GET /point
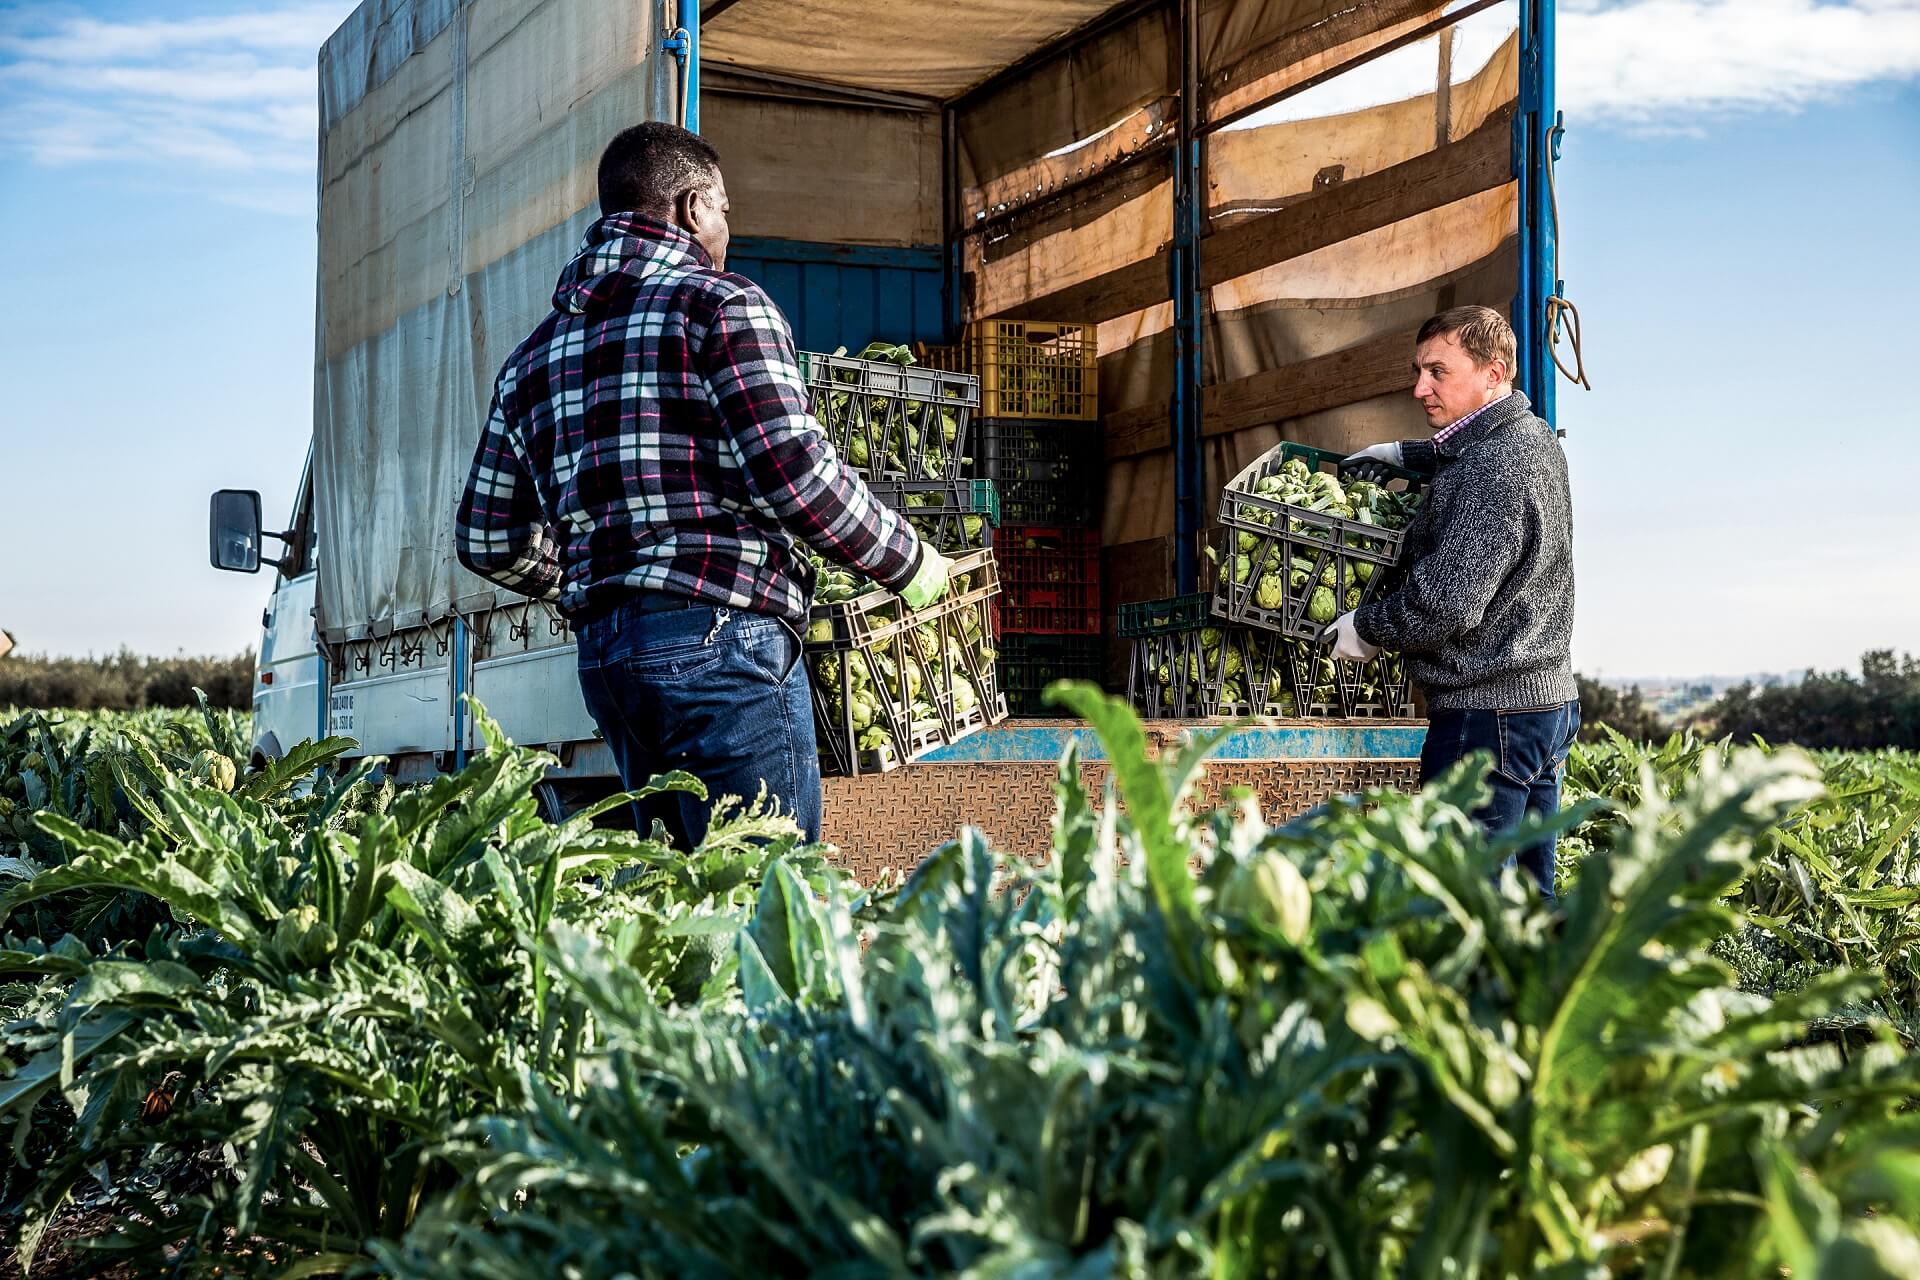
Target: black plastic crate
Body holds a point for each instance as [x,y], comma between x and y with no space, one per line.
[891,684]
[1292,567]
[1187,664]
[1047,473]
[955,515]
[890,421]
[1325,687]
[1028,664]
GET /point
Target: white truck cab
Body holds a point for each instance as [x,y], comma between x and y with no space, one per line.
[288,679]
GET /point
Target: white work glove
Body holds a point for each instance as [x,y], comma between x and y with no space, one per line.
[1370,460]
[1347,643]
[929,580]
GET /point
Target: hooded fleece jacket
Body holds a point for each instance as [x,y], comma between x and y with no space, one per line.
[653,434]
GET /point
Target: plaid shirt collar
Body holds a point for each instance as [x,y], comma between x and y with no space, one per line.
[1454,428]
[1453,439]
[619,252]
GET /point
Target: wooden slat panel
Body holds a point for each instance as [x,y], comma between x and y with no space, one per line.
[1376,368]
[1289,51]
[1481,161]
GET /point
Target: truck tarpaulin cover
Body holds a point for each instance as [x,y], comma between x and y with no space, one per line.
[1367,199]
[457,163]
[457,173]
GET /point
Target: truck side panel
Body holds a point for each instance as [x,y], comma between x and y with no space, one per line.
[459,143]
[848,295]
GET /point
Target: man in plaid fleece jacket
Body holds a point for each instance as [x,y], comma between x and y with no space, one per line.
[648,464]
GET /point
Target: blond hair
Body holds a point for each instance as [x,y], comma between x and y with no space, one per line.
[1482,333]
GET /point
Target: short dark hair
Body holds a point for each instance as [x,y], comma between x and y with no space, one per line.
[645,168]
[1481,331]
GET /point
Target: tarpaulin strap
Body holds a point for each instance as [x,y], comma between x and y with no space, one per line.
[1558,306]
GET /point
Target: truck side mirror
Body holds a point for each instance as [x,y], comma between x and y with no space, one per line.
[233,530]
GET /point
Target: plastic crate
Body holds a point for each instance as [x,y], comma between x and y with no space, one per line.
[1185,664]
[1046,472]
[877,646]
[1050,581]
[1273,558]
[891,421]
[1327,688]
[1028,368]
[1159,617]
[955,515]
[1028,664]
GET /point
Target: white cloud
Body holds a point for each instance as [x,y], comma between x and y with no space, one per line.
[226,102]
[1662,63]
[1665,65]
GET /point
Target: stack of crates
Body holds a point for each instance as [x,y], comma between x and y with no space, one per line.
[1037,438]
[1254,644]
[892,684]
[1187,664]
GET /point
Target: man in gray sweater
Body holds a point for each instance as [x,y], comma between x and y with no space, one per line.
[1484,614]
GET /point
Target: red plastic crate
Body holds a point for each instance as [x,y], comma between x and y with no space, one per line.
[1049,581]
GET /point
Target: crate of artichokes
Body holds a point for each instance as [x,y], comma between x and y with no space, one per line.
[889,419]
[891,684]
[1304,544]
[1185,664]
[955,515]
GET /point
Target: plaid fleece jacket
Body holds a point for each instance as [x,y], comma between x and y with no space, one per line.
[653,434]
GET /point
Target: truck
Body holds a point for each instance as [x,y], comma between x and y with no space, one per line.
[1253,204]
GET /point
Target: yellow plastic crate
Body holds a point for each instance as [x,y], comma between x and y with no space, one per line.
[1039,369]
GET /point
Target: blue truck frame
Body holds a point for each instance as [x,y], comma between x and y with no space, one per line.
[837,294]
[841,294]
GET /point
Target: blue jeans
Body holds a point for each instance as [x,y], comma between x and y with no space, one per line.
[1529,749]
[719,693]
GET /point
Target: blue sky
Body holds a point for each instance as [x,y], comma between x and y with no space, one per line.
[1738,197]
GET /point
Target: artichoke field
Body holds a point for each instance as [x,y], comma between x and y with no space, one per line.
[264,1029]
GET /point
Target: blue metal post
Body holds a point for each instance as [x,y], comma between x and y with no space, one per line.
[320,657]
[459,692]
[1188,404]
[690,20]
[1532,154]
[954,313]
[684,44]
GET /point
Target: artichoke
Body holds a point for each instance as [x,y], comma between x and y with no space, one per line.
[1270,895]
[1272,591]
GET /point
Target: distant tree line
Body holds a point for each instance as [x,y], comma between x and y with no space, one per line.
[1878,708]
[1624,710]
[125,681]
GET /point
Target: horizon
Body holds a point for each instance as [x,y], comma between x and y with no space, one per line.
[161,156]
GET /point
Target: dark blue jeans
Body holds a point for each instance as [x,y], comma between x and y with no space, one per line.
[719,693]
[1529,749]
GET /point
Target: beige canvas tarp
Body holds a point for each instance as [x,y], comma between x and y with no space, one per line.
[1314,293]
[457,158]
[833,172]
[459,142]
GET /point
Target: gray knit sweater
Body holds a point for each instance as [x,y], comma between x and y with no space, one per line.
[1485,613]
